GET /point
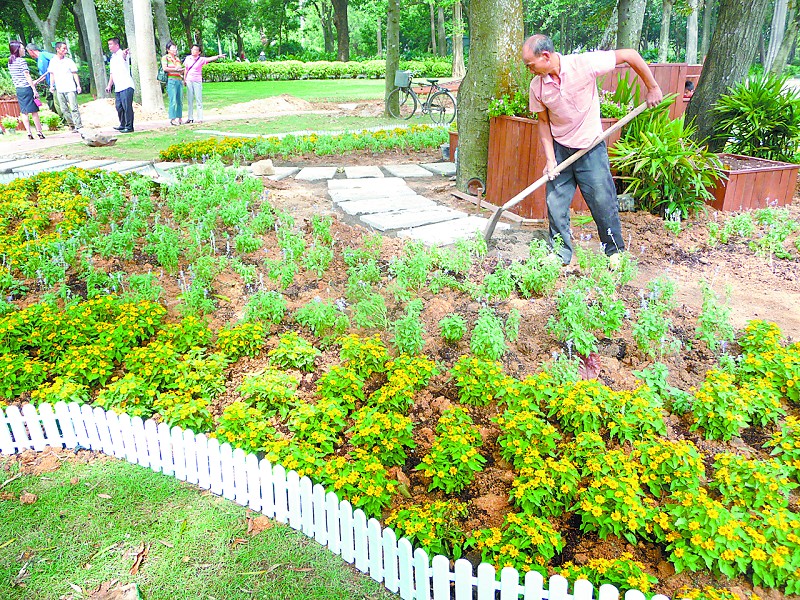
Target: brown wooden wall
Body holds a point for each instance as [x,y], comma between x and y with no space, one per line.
[516,160]
[771,185]
[671,78]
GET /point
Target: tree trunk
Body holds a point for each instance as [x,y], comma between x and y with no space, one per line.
[708,13]
[379,32]
[342,30]
[663,41]
[776,32]
[94,47]
[433,27]
[458,41]
[630,17]
[609,39]
[440,34]
[730,53]
[326,20]
[130,38]
[239,43]
[47,27]
[162,24]
[789,38]
[496,40]
[80,28]
[392,46]
[691,33]
[152,97]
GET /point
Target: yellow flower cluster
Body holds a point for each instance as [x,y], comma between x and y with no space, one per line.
[623,572]
[365,355]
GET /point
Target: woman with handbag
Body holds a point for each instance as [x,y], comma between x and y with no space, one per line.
[193,77]
[27,96]
[173,67]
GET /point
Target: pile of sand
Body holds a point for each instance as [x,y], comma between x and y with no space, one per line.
[103,113]
[266,107]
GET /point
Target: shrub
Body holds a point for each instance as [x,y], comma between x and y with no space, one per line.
[244,427]
[293,352]
[270,391]
[361,479]
[266,306]
[244,339]
[434,527]
[452,328]
[383,434]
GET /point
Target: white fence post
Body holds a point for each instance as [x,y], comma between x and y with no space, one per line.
[226,465]
[348,545]
[51,433]
[509,584]
[583,590]
[80,426]
[293,498]
[21,439]
[634,595]
[391,575]
[422,580]
[405,567]
[7,445]
[464,580]
[375,550]
[267,488]
[279,485]
[34,427]
[486,582]
[306,493]
[440,572]
[558,588]
[66,425]
[190,453]
[178,455]
[115,431]
[140,440]
[534,586]
[214,466]
[608,592]
[101,419]
[239,476]
[253,482]
[151,439]
[201,453]
[92,433]
[360,540]
[320,518]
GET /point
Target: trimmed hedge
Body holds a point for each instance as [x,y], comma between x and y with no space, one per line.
[295,69]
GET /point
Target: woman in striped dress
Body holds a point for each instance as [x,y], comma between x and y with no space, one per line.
[26,89]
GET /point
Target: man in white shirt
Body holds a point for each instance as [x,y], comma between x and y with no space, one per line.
[65,83]
[120,78]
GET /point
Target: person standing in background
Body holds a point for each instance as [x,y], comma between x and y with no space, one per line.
[27,96]
[120,79]
[193,76]
[63,73]
[174,69]
[42,63]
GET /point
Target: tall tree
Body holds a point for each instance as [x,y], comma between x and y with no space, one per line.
[152,97]
[93,45]
[341,23]
[708,13]
[495,46]
[630,17]
[776,32]
[324,10]
[789,39]
[46,26]
[609,39]
[392,45]
[691,32]
[130,38]
[433,27]
[666,18]
[458,41]
[730,53]
[440,33]
[232,16]
[162,23]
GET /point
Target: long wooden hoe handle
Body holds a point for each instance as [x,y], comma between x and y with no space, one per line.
[487,234]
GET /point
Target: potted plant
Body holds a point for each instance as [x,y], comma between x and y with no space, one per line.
[51,120]
[759,120]
[10,123]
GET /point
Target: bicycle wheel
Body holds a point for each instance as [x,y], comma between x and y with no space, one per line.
[402,103]
[442,108]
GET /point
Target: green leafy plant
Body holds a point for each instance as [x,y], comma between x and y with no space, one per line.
[244,339]
[244,427]
[751,483]
[624,573]
[786,445]
[270,391]
[322,318]
[488,336]
[713,323]
[435,527]
[719,409]
[361,479]
[318,258]
[370,312]
[409,330]
[265,306]
[669,466]
[452,328]
[293,352]
[651,329]
[365,355]
[545,486]
[405,375]
[386,435]
[480,381]
[341,384]
[319,424]
[185,410]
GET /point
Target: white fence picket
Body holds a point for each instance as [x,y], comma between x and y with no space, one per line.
[405,568]
[441,577]
[332,523]
[239,476]
[279,485]
[486,582]
[348,531]
[35,432]
[190,453]
[50,425]
[422,580]
[253,483]
[659,597]
[360,541]
[267,488]
[391,574]
[306,493]
[375,550]
[247,480]
[21,439]
[464,581]
[151,439]
[583,590]
[534,586]
[65,424]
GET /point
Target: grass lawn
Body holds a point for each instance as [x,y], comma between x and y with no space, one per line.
[145,145]
[90,520]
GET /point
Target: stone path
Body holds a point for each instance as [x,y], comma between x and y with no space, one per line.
[378,196]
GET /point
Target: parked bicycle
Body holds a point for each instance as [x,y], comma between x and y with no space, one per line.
[403,101]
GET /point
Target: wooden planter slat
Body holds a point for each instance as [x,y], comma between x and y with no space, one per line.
[748,189]
[516,160]
[453,145]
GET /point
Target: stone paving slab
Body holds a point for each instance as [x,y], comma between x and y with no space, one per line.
[169,165]
[446,169]
[125,165]
[93,164]
[368,172]
[357,184]
[403,219]
[20,162]
[50,165]
[8,177]
[316,173]
[407,171]
[350,195]
[146,170]
[283,173]
[382,205]
[448,232]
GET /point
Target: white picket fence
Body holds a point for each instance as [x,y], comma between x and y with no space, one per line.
[286,497]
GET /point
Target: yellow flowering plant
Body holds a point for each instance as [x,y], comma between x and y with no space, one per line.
[244,427]
[129,394]
[61,389]
[293,352]
[751,483]
[669,465]
[243,339]
[361,479]
[454,458]
[623,572]
[582,407]
[523,430]
[785,445]
[320,424]
[341,384]
[581,448]
[480,381]
[384,434]
[406,374]
[20,373]
[296,455]
[719,409]
[436,527]
[184,410]
[364,355]
[776,548]
[707,592]
[270,391]
[546,488]
[524,542]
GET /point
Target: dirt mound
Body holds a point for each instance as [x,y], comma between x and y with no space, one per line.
[103,113]
[266,106]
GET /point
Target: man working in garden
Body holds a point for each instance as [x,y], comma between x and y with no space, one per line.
[564,95]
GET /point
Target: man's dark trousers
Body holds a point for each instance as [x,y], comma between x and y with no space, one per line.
[124,103]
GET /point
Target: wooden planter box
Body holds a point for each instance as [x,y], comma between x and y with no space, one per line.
[671,78]
[9,107]
[516,160]
[754,183]
[453,145]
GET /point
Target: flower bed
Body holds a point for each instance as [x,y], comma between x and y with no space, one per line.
[341,368]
